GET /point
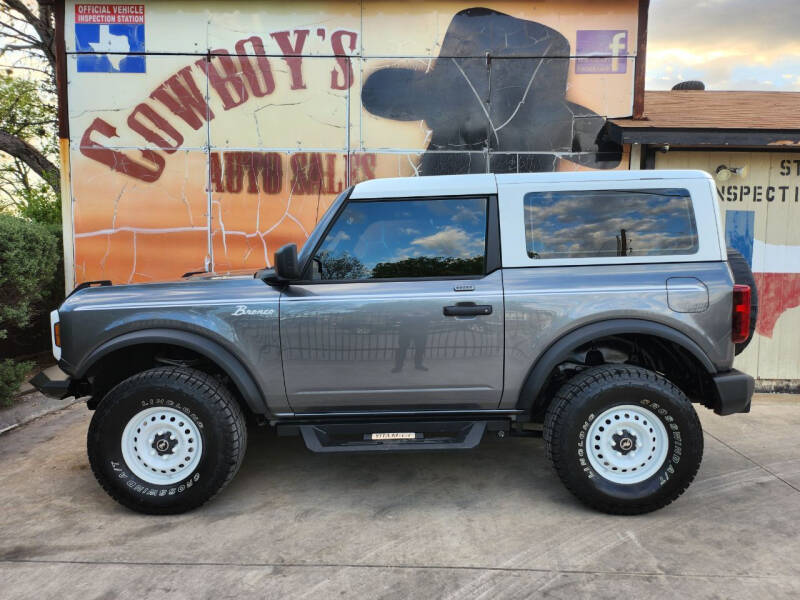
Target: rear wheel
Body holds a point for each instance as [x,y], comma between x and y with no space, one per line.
[166,440]
[623,439]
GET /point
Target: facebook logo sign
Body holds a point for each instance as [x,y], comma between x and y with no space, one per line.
[111,35]
[602,51]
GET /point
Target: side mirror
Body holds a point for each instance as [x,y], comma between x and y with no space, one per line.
[286,266]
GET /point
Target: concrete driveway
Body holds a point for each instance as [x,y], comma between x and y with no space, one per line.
[491,523]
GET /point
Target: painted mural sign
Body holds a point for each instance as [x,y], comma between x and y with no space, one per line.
[776,266]
[111,38]
[761,204]
[206,135]
[602,51]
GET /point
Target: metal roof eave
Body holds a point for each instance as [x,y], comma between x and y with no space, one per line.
[694,136]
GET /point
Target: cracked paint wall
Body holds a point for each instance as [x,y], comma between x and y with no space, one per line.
[206,135]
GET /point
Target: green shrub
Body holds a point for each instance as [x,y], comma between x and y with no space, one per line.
[29,275]
[12,373]
[53,296]
[41,205]
[29,258]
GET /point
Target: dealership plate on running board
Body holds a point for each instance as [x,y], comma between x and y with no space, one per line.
[393,436]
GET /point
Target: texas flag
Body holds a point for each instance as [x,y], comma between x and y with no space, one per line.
[776,269]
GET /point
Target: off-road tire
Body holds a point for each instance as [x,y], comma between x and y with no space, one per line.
[213,412]
[583,398]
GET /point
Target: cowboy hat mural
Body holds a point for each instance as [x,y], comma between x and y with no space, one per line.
[496,92]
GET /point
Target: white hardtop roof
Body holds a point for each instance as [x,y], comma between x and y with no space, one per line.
[438,185]
[481,184]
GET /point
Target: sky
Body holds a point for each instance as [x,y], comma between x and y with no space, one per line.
[727,44]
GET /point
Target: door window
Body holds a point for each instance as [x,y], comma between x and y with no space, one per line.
[404,239]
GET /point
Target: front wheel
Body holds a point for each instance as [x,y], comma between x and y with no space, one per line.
[166,440]
[623,439]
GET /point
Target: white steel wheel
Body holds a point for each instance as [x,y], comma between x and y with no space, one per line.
[627,444]
[161,445]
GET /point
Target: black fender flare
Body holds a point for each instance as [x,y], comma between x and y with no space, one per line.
[213,351]
[559,351]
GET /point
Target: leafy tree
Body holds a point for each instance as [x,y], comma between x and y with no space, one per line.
[39,205]
[28,173]
[31,276]
[343,266]
[27,101]
[28,30]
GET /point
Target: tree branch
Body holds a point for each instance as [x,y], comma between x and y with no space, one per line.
[37,161]
[42,23]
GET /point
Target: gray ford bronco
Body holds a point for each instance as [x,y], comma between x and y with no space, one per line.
[595,309]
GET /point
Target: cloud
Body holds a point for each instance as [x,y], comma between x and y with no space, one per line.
[724,25]
[566,209]
[338,237]
[728,44]
[450,241]
[469,214]
[409,231]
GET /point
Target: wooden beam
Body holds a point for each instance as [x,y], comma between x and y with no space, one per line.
[641,61]
[61,71]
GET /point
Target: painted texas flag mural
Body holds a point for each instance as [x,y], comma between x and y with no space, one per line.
[776,269]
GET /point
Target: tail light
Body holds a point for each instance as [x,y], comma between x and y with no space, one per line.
[55,334]
[740,320]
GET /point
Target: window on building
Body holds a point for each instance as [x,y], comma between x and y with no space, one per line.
[588,223]
[404,238]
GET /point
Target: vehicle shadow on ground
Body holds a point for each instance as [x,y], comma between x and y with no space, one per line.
[281,474]
[380,483]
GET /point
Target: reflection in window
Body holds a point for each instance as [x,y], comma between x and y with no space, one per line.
[404,238]
[582,224]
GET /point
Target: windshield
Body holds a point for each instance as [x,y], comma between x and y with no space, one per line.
[320,228]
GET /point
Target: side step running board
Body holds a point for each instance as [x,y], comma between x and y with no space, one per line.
[397,437]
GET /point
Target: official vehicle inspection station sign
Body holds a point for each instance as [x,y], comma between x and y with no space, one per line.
[111,36]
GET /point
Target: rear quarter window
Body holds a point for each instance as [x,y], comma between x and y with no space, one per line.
[600,223]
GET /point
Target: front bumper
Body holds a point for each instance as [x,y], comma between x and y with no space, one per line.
[55,388]
[734,392]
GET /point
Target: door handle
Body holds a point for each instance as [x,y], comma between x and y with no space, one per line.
[467,310]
